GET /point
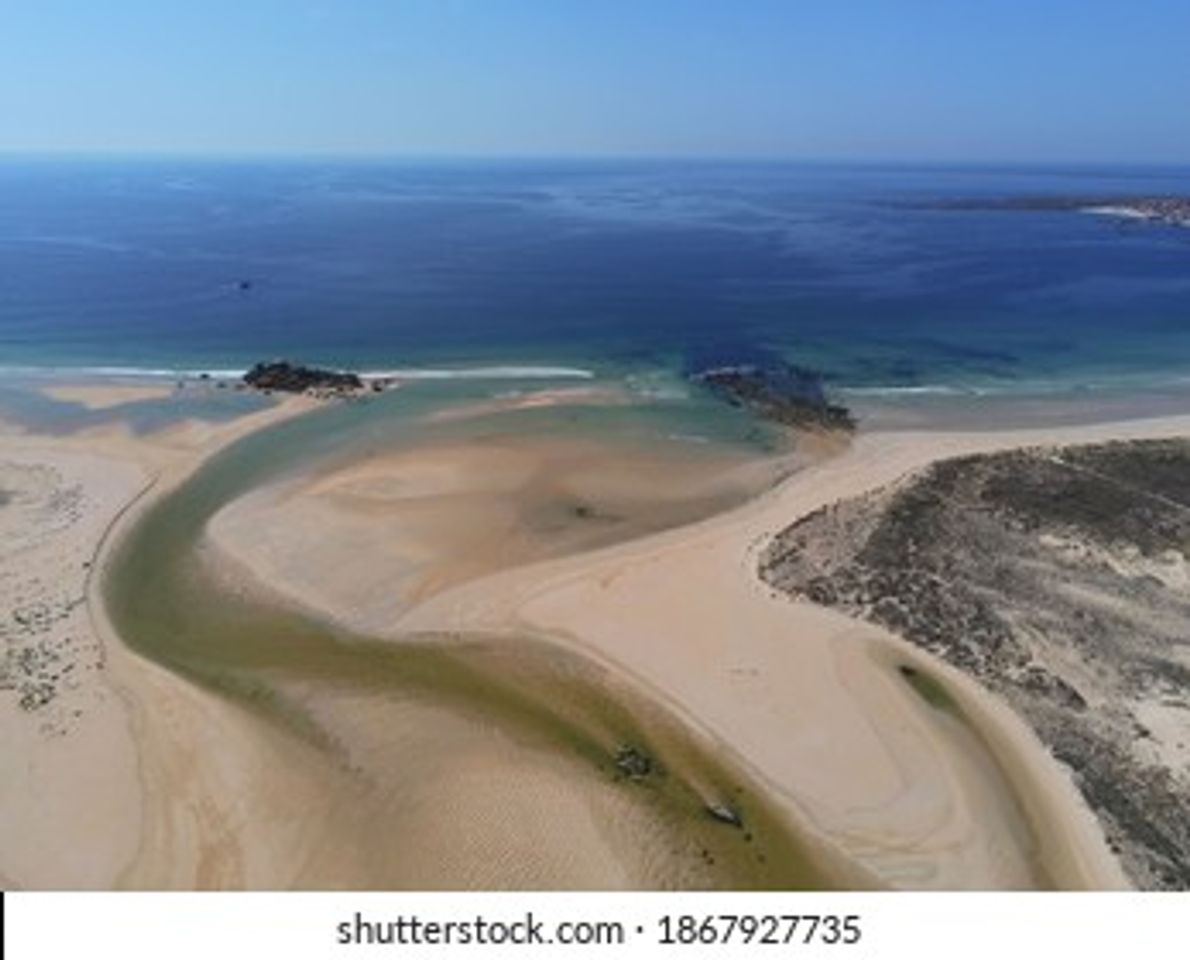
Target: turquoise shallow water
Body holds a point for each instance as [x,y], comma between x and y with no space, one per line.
[617,268]
[656,407]
[24,402]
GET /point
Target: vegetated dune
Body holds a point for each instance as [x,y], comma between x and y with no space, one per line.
[1059,578]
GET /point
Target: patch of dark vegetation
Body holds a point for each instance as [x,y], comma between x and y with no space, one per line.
[1138,805]
[1058,577]
[783,393]
[36,659]
[1161,472]
[43,659]
[286,377]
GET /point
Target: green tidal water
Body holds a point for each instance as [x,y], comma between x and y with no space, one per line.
[166,604]
[931,690]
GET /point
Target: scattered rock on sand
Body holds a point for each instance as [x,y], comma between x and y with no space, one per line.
[634,764]
[725,813]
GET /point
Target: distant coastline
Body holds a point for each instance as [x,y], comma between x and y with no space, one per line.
[569,269]
[502,624]
[1167,210]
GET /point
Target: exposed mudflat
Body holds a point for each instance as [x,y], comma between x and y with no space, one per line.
[1059,578]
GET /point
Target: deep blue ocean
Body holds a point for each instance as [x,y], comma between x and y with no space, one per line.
[603,266]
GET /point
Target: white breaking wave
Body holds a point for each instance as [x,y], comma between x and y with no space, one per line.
[481,373]
[1028,388]
[1128,213]
[925,389]
[430,373]
[131,373]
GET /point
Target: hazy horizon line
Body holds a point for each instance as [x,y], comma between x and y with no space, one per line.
[414,156]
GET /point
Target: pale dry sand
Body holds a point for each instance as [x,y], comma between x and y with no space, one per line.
[161,784]
[158,784]
[390,530]
[95,396]
[84,791]
[808,700]
[65,813]
[534,400]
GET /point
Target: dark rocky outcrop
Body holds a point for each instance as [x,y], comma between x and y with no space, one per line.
[783,393]
[286,377]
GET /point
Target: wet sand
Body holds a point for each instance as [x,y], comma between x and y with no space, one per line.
[96,396]
[391,529]
[810,699]
[471,739]
[1056,577]
[74,764]
[398,726]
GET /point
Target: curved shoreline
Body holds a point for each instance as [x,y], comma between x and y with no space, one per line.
[571,596]
[322,656]
[73,801]
[165,857]
[577,603]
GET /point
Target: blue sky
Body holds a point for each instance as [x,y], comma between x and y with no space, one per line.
[1085,80]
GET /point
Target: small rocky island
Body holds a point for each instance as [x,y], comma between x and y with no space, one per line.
[1060,578]
[285,377]
[782,393]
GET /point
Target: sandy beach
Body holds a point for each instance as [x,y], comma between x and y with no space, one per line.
[390,530]
[96,396]
[76,762]
[158,782]
[810,698]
